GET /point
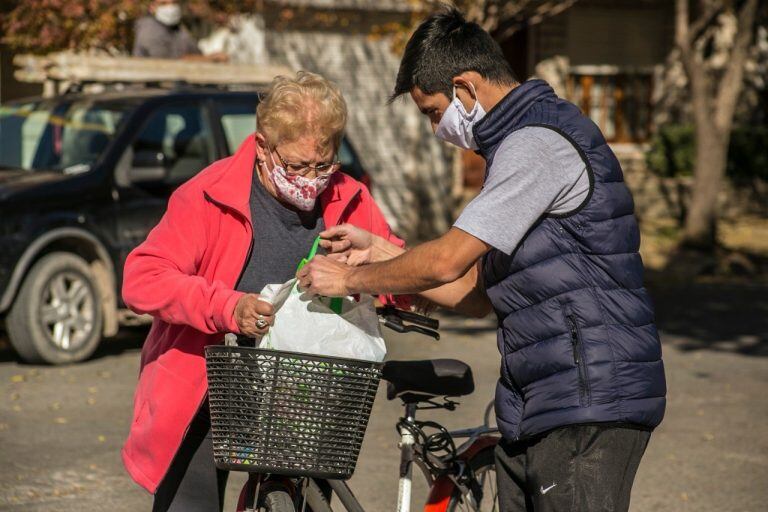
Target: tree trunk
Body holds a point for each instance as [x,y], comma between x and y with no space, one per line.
[711,159]
[714,103]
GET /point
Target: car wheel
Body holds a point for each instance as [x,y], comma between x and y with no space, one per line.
[57,315]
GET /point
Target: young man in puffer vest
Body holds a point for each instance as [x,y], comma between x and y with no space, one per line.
[551,245]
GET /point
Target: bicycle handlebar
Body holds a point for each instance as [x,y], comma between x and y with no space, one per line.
[394,319]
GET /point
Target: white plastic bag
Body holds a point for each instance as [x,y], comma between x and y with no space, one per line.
[307,324]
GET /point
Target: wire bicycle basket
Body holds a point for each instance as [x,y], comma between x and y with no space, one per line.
[288,413]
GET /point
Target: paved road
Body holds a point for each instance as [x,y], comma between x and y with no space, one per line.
[61,428]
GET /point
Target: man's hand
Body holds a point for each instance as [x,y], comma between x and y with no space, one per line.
[348,244]
[253,315]
[424,267]
[324,276]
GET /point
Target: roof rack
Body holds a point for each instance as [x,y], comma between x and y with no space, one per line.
[67,72]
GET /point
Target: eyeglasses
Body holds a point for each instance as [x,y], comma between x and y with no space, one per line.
[297,169]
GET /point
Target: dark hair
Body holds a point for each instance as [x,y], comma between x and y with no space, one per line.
[446,45]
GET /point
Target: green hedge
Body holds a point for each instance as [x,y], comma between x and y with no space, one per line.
[672,152]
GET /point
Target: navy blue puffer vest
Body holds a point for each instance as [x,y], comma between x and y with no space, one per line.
[576,327]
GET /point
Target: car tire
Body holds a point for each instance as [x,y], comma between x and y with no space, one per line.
[57,316]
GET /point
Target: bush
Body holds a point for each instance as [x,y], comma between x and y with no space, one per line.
[673,154]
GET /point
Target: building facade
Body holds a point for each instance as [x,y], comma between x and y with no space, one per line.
[414,174]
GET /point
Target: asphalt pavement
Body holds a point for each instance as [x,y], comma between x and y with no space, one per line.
[61,428]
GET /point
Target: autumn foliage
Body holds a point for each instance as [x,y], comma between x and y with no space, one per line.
[42,26]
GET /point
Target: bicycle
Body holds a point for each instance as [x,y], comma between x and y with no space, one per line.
[459,478]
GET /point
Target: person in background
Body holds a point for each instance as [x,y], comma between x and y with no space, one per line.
[242,223]
[160,35]
[553,241]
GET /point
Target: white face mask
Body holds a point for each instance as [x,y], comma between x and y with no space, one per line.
[298,191]
[168,14]
[456,124]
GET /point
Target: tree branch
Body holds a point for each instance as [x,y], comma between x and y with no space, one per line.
[714,9]
[682,39]
[698,79]
[731,83]
[686,33]
[511,23]
[513,9]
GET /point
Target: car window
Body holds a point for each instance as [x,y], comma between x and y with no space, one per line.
[349,163]
[68,136]
[180,136]
[346,157]
[31,132]
[238,121]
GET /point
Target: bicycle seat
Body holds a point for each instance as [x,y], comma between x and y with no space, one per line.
[418,381]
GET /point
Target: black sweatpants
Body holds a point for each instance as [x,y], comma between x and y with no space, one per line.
[193,483]
[578,468]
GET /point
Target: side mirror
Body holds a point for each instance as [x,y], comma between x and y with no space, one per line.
[148,166]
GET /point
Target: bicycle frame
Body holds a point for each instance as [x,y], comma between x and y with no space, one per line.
[442,487]
[478,439]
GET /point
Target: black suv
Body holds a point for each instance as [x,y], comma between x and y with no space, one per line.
[83,178]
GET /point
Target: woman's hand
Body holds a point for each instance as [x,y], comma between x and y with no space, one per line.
[355,246]
[348,244]
[253,315]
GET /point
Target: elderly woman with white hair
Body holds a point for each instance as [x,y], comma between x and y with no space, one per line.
[243,222]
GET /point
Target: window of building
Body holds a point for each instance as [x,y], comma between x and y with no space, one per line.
[618,102]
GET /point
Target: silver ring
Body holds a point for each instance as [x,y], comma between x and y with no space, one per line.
[261,323]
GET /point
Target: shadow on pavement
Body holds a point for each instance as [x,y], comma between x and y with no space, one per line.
[724,316]
[129,339]
[458,324]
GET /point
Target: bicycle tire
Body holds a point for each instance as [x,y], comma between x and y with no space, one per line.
[277,501]
[483,464]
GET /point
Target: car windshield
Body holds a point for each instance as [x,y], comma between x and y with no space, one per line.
[65,136]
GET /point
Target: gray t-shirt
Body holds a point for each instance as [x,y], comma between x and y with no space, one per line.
[282,236]
[153,39]
[535,171]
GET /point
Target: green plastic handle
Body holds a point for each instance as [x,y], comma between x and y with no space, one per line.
[336,302]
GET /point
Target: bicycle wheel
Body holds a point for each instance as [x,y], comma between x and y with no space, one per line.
[483,465]
[276,501]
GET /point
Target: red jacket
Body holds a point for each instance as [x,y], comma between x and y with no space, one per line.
[184,275]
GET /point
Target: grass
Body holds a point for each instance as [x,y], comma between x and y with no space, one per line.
[746,235]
